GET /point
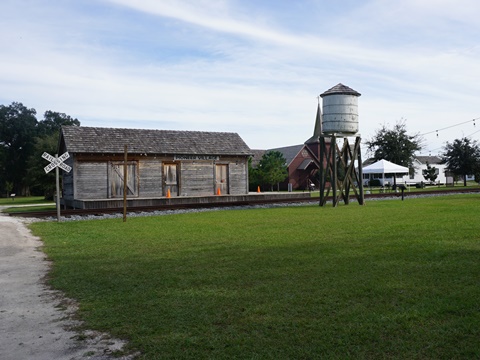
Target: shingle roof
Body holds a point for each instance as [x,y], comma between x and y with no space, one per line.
[257,156]
[289,152]
[430,159]
[305,164]
[340,89]
[81,139]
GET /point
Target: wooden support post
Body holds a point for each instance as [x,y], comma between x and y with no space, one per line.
[334,177]
[361,198]
[125,179]
[347,170]
[321,171]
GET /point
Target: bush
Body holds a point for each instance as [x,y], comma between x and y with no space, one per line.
[420,185]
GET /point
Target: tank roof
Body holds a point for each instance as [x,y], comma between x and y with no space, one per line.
[340,89]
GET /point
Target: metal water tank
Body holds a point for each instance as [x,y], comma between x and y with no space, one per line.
[340,110]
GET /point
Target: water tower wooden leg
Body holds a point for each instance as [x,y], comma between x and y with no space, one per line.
[333,146]
[321,170]
[361,198]
[347,170]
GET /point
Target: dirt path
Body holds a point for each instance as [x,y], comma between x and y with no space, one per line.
[34,323]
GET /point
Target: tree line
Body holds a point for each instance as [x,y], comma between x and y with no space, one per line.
[461,157]
[23,140]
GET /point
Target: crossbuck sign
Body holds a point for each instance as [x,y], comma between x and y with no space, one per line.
[56,161]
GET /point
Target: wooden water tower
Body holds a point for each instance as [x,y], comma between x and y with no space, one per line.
[337,165]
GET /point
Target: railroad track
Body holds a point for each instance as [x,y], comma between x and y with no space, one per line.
[251,202]
[81,212]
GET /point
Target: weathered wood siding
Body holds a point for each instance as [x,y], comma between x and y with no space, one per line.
[67,181]
[238,177]
[197,178]
[91,180]
[150,178]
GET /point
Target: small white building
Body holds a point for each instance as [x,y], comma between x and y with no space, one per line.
[421,164]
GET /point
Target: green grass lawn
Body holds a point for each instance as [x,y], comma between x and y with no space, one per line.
[389,280]
[17,209]
[413,188]
[24,200]
[26,203]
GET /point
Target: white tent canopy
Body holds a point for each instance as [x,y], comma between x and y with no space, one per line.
[385,167]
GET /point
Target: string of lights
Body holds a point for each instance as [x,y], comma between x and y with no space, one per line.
[449,127]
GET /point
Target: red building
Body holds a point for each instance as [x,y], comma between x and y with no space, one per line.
[301,160]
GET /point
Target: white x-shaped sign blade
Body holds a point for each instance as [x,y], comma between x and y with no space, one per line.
[65,167]
[54,162]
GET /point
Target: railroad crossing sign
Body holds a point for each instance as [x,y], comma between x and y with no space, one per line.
[56,162]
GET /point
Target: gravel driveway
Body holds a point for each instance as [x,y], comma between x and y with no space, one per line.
[35,321]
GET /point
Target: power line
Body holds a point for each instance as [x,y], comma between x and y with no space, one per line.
[451,126]
[439,148]
[472,134]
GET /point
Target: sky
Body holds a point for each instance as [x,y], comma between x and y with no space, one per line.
[254,67]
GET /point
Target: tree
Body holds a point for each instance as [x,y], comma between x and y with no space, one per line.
[48,131]
[462,158]
[254,180]
[395,145]
[39,182]
[22,141]
[8,188]
[430,173]
[53,121]
[272,168]
[17,131]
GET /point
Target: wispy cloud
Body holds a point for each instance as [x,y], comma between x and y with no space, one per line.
[242,66]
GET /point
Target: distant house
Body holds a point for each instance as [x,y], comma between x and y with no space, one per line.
[421,163]
[301,166]
[159,163]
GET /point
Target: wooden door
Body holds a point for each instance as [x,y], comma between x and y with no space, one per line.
[116,174]
[170,179]
[221,179]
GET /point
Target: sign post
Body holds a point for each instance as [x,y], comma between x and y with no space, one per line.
[55,163]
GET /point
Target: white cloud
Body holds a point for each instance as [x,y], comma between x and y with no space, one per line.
[216,65]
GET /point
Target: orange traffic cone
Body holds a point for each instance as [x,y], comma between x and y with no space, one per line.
[168,193]
[219,192]
[258,189]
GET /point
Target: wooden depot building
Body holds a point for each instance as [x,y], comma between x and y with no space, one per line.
[160,164]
